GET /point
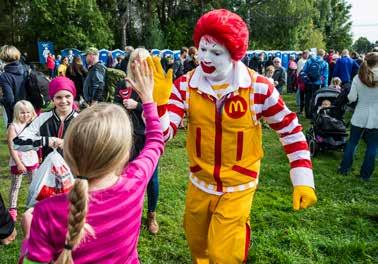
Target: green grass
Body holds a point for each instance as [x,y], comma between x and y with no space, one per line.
[341,228]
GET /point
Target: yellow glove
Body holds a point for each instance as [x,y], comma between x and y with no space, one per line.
[162,82]
[303,197]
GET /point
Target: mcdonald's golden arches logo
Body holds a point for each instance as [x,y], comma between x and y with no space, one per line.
[236,107]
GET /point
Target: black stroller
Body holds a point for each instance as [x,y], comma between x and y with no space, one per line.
[328,131]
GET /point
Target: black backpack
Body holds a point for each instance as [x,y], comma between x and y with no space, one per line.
[37,89]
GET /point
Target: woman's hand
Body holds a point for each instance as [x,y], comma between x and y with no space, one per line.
[21,168]
[130,104]
[55,142]
[144,80]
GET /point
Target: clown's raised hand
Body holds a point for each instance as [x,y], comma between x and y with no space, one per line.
[303,197]
[162,81]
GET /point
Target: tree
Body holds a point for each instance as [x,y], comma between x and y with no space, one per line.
[69,23]
[277,24]
[12,23]
[154,37]
[117,13]
[333,19]
[284,24]
[310,37]
[362,45]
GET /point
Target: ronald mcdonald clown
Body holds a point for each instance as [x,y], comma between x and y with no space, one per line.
[224,101]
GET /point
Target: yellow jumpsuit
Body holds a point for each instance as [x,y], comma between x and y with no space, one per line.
[224,146]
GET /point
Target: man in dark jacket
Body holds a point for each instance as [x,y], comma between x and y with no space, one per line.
[12,80]
[191,61]
[178,65]
[279,75]
[94,84]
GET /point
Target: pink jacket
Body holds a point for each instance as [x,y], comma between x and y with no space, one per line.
[114,213]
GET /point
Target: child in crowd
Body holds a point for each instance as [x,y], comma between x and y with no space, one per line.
[99,220]
[336,83]
[20,163]
[48,129]
[269,71]
[130,100]
[325,104]
[63,67]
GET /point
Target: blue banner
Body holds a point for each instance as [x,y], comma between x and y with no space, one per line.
[44,48]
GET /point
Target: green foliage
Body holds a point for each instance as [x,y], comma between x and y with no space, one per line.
[69,24]
[13,17]
[284,24]
[154,37]
[340,228]
[177,35]
[309,37]
[362,45]
[275,24]
[334,21]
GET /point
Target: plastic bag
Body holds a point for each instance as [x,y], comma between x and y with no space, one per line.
[51,178]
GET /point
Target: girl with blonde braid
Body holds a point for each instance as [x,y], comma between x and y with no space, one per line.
[104,208]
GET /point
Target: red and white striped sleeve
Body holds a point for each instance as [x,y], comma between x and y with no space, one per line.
[172,113]
[269,105]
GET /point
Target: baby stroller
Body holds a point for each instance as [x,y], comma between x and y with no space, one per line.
[328,131]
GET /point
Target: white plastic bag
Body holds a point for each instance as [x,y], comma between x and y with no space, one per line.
[51,178]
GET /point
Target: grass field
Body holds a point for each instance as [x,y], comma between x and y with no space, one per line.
[341,228]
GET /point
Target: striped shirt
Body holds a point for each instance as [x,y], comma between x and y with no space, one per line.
[115,212]
[267,104]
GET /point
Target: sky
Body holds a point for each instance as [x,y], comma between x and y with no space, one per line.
[365,19]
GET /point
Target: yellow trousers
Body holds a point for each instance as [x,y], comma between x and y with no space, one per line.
[217,227]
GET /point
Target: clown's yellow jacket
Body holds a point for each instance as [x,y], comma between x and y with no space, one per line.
[224,140]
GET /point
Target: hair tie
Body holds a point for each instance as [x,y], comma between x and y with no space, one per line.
[82,177]
[68,247]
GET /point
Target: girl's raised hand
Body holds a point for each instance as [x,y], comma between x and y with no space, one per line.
[143,82]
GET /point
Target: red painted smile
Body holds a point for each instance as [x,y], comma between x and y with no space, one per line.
[207,69]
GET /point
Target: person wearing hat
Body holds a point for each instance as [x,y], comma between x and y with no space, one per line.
[94,84]
[48,129]
[224,101]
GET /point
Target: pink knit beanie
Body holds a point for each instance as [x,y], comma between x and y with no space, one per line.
[61,83]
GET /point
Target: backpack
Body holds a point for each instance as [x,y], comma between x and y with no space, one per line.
[112,77]
[314,71]
[37,89]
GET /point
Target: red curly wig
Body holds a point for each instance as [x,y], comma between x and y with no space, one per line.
[225,27]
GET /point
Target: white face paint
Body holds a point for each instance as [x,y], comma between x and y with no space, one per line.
[215,60]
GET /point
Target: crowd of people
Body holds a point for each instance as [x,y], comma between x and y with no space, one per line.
[113,149]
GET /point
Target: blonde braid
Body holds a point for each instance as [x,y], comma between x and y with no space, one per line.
[78,198]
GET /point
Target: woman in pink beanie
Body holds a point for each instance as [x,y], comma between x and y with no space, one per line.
[48,129]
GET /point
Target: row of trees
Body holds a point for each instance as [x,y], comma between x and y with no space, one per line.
[284,24]
[363,45]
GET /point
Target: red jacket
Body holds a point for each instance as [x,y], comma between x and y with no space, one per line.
[50,62]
